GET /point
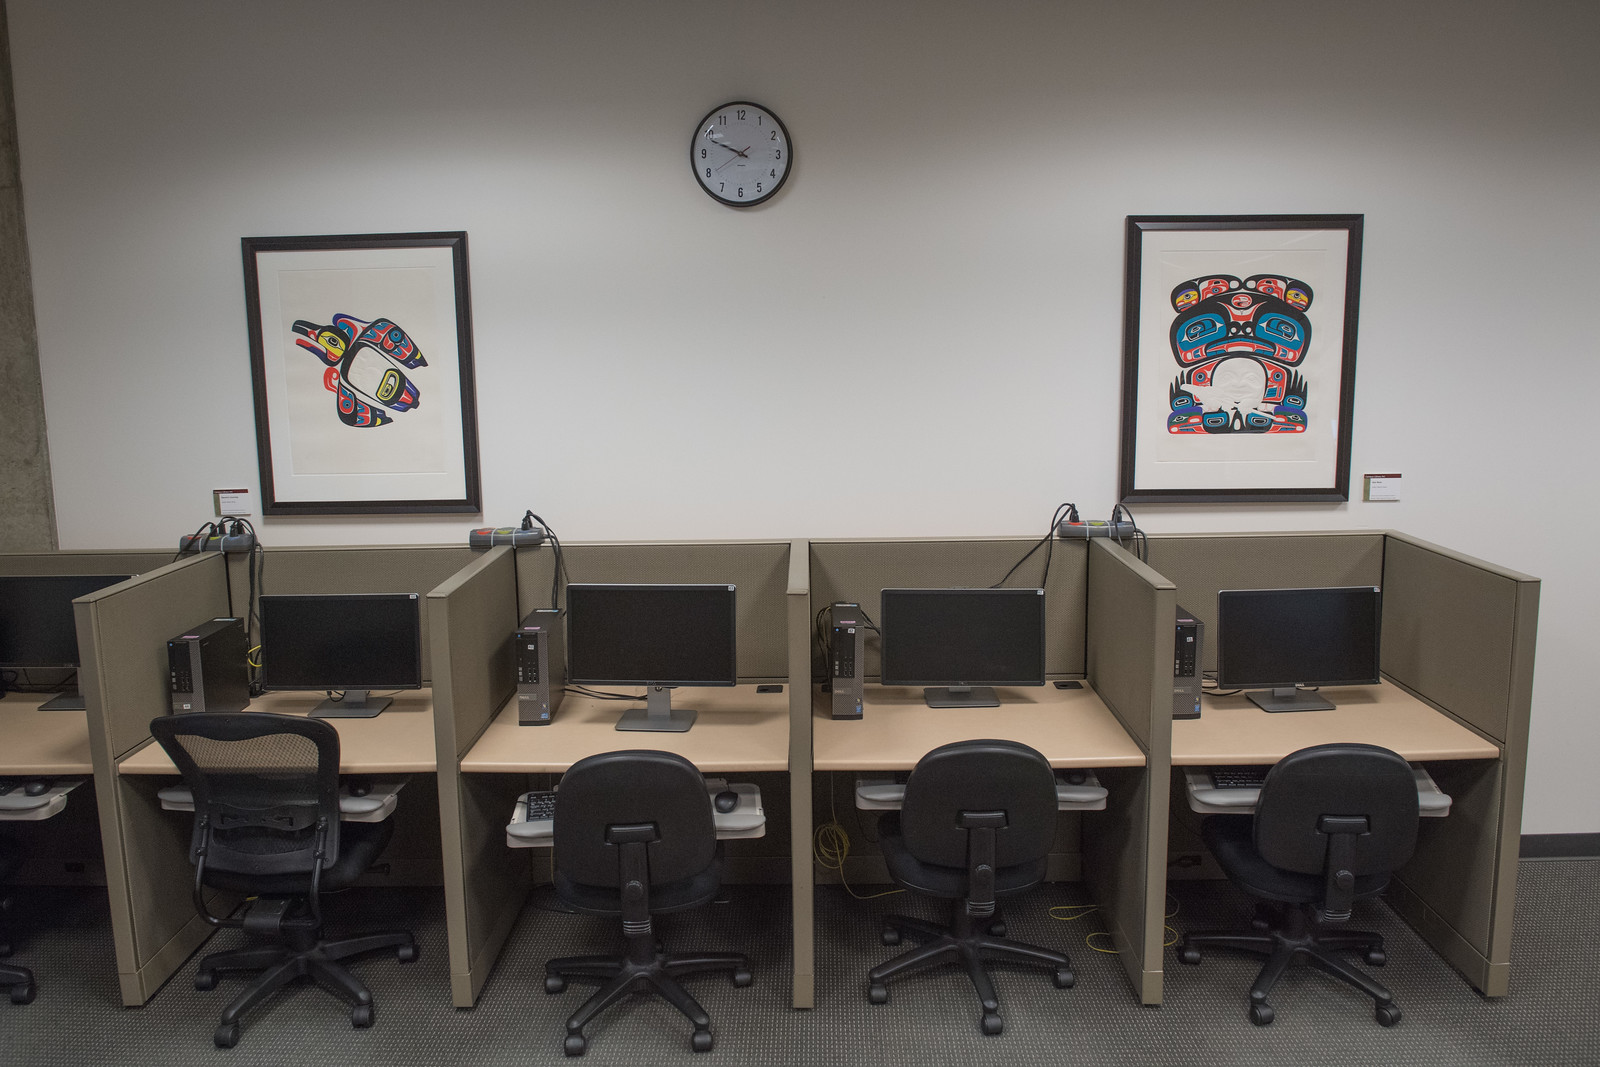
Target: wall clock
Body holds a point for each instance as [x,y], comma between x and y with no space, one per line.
[741,154]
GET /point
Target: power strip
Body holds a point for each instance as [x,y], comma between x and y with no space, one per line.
[1094,528]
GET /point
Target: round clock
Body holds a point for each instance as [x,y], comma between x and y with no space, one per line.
[741,154]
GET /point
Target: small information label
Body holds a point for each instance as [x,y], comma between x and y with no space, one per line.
[1381,487]
[231,501]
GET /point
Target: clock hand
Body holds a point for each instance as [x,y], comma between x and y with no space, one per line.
[735,159]
[735,151]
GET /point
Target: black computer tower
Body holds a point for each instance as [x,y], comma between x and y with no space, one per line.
[846,659]
[207,669]
[1186,666]
[541,657]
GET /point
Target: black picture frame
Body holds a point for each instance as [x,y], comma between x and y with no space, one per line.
[1273,267]
[397,285]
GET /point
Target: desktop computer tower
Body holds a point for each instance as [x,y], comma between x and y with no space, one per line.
[541,657]
[207,669]
[846,659]
[1186,666]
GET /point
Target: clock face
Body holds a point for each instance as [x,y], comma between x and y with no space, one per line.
[741,154]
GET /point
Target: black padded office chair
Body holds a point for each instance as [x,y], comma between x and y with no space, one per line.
[18,980]
[1332,823]
[266,824]
[977,823]
[634,837]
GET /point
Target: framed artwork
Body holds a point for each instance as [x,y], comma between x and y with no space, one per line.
[361,363]
[1239,357]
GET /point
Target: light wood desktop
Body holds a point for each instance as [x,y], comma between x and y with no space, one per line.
[51,743]
[1232,730]
[399,741]
[737,729]
[1070,727]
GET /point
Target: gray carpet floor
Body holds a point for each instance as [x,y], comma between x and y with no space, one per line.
[1550,1018]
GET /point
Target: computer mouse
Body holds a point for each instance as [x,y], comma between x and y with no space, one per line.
[357,787]
[36,788]
[725,801]
[6,787]
[1077,777]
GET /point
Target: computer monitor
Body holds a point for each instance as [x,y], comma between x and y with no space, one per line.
[37,626]
[349,642]
[658,636]
[961,642]
[1279,639]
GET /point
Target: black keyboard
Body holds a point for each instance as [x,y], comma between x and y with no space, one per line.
[540,806]
[1239,777]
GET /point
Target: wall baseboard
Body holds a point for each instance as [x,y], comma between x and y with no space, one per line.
[1560,846]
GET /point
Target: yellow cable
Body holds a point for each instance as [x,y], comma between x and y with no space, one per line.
[830,845]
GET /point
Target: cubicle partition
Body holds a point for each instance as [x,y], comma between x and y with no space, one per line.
[1458,634]
[122,633]
[1130,611]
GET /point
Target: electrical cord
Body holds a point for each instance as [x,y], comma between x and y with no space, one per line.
[560,573]
[1071,512]
[830,844]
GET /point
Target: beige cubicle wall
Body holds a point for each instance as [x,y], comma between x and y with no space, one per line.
[476,612]
[1103,619]
[1458,634]
[63,850]
[122,633]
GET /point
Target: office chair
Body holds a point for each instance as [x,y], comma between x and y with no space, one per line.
[1332,823]
[19,980]
[634,837]
[976,824]
[266,824]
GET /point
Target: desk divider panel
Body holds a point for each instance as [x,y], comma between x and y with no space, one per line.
[84,561]
[475,615]
[1131,611]
[797,606]
[759,568]
[122,635]
[1460,633]
[856,571]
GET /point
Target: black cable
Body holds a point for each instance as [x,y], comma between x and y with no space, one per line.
[197,544]
[1050,537]
[528,518]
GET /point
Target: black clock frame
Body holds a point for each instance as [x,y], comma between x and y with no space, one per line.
[694,166]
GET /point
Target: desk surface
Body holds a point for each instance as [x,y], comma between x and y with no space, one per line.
[1233,730]
[738,729]
[42,742]
[1071,727]
[399,741]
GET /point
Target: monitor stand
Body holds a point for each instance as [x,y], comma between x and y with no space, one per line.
[64,702]
[960,696]
[355,705]
[1290,699]
[658,716]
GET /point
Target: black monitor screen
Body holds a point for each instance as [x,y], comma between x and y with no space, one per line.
[341,641]
[962,636]
[651,634]
[1276,638]
[37,628]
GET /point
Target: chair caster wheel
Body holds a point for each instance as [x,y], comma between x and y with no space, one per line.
[992,1023]
[997,929]
[1261,1013]
[1376,957]
[204,980]
[878,993]
[361,1016]
[406,953]
[741,978]
[889,936]
[1064,978]
[576,1045]
[1189,954]
[701,1041]
[23,994]
[1386,1014]
[554,983]
[227,1035]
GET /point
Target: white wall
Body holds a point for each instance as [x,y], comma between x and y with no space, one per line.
[939,285]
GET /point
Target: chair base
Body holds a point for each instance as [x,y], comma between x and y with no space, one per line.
[1290,936]
[961,941]
[281,964]
[19,982]
[643,970]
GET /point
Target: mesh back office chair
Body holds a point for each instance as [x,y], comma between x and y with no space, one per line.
[266,823]
[977,823]
[634,837]
[19,980]
[1332,823]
